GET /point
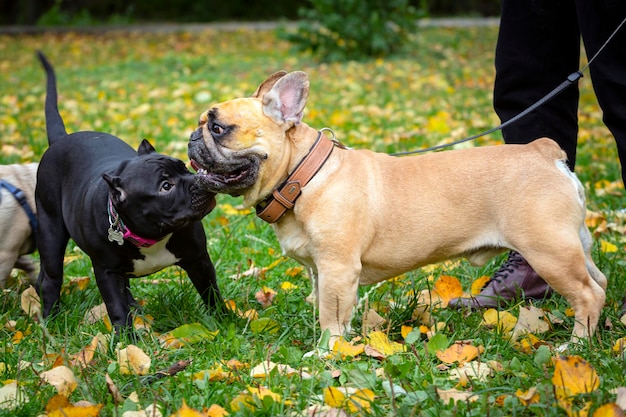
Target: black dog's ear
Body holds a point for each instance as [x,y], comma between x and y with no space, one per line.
[115,186]
[145,148]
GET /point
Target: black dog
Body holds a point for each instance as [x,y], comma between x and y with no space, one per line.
[133,213]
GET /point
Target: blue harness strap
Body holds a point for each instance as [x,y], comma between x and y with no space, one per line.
[21,198]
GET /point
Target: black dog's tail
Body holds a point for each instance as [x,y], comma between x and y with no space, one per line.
[54,122]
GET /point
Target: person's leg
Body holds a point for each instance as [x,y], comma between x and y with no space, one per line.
[598,19]
[538,47]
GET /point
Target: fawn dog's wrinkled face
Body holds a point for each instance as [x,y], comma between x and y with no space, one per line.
[238,143]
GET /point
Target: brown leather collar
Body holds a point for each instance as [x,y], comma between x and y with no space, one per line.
[284,197]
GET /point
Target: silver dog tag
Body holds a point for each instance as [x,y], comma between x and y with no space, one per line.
[116,236]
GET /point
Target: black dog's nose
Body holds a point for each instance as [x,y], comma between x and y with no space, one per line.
[196,134]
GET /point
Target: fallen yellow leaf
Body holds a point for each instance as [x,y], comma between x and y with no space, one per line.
[461,352]
[620,345]
[405,330]
[187,334]
[343,349]
[608,410]
[242,402]
[288,286]
[447,287]
[186,411]
[262,392]
[380,342]
[80,282]
[264,325]
[572,376]
[17,337]
[607,247]
[216,411]
[292,272]
[478,284]
[133,360]
[81,409]
[503,321]
[216,374]
[528,343]
[528,397]
[351,399]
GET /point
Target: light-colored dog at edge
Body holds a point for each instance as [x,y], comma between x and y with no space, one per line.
[366,216]
[16,234]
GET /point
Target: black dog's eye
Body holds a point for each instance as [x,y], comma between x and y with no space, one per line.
[166,186]
[217,129]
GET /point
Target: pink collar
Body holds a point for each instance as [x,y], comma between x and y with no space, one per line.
[118,232]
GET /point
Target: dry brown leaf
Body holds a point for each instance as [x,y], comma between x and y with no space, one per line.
[620,400]
[62,378]
[115,392]
[447,395]
[96,314]
[324,410]
[531,320]
[11,397]
[252,271]
[263,370]
[372,321]
[472,370]
[496,366]
[30,302]
[265,296]
[83,358]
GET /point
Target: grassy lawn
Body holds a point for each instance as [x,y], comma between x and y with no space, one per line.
[155,86]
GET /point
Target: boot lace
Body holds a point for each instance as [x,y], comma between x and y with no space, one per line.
[508,267]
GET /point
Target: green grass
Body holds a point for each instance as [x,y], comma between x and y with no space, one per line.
[155,86]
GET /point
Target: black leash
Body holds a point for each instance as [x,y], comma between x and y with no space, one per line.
[19,195]
[571,79]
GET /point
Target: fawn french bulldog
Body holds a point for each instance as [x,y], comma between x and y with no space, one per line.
[356,217]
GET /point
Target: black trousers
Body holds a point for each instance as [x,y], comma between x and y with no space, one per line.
[538,47]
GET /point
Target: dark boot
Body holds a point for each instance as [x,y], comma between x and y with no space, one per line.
[514,280]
